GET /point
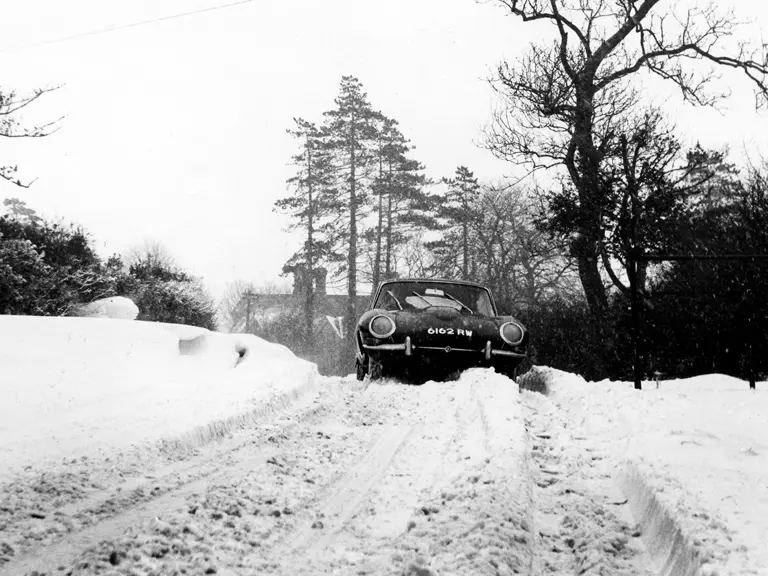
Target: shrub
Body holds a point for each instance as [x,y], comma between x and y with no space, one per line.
[50,269]
[563,336]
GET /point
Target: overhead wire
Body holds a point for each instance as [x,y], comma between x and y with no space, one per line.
[123,26]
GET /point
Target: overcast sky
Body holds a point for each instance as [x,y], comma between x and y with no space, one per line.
[175,131]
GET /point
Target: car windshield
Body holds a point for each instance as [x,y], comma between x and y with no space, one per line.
[421,295]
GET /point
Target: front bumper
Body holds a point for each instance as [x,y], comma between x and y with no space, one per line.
[488,351]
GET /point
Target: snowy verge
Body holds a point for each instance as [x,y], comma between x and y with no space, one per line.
[662,531]
[699,446]
[84,388]
[669,548]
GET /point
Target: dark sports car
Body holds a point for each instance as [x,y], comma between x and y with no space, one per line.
[419,328]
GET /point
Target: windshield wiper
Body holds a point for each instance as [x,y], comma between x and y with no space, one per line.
[459,302]
[395,299]
[429,304]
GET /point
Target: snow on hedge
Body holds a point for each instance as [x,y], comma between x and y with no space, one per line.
[702,446]
[73,387]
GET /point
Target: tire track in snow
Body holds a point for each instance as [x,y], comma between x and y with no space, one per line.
[454,454]
[440,414]
[107,512]
[217,523]
[351,492]
[39,509]
[66,552]
[478,517]
[446,411]
[581,519]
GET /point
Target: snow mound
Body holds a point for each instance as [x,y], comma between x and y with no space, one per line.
[117,307]
[81,387]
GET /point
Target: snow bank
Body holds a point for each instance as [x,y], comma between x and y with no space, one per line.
[74,387]
[696,458]
[118,307]
[671,550]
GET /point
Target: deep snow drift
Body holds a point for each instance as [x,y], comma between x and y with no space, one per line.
[700,443]
[82,387]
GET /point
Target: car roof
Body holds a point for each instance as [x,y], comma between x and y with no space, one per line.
[440,280]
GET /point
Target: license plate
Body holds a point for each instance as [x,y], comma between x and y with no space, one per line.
[450,332]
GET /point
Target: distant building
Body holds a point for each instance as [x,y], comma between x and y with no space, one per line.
[257,309]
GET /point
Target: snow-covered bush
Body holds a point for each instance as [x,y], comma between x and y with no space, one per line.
[166,294]
[52,270]
[46,269]
[24,278]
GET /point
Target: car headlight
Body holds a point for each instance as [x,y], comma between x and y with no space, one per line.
[512,333]
[381,326]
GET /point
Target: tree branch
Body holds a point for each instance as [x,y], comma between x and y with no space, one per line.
[530,13]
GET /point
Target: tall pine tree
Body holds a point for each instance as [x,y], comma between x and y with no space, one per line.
[401,202]
[311,203]
[456,211]
[351,139]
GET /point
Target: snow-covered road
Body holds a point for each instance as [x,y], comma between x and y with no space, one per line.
[376,479]
[352,478]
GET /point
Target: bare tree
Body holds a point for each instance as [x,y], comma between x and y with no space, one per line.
[566,103]
[415,259]
[230,306]
[152,254]
[238,308]
[11,107]
[521,263]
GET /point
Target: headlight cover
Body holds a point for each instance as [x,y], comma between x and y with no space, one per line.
[512,333]
[381,326]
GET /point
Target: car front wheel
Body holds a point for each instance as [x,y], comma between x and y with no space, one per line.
[361,371]
[375,369]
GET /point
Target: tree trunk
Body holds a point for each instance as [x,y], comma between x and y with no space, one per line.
[352,256]
[309,312]
[379,228]
[642,275]
[388,264]
[589,274]
[586,178]
[465,246]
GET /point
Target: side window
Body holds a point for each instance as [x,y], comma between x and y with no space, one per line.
[483,305]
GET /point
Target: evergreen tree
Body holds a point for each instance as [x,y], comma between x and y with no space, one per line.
[351,136]
[402,204]
[457,211]
[311,203]
[19,210]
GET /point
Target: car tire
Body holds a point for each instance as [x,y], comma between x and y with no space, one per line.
[361,371]
[375,369]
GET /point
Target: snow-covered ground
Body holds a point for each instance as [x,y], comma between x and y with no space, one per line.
[142,448]
[700,446]
[84,387]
